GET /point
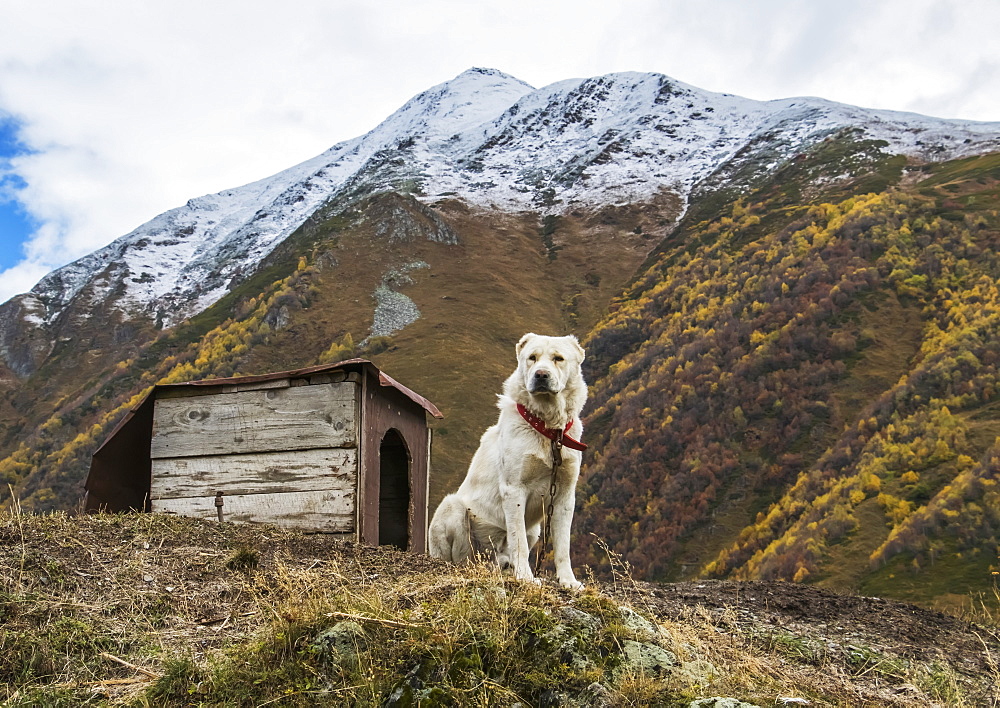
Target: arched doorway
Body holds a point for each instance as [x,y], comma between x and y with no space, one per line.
[394,492]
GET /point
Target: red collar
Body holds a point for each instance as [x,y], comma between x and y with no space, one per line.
[553,434]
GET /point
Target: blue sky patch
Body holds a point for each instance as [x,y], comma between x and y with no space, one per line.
[15,224]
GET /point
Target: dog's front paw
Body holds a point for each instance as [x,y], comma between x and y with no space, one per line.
[528,578]
[571,584]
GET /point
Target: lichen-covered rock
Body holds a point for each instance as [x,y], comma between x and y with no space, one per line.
[584,621]
[646,658]
[340,644]
[698,672]
[596,695]
[638,624]
[568,638]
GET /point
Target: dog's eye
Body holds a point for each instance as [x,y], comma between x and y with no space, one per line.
[557,358]
[532,357]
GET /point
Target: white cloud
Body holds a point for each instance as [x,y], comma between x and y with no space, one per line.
[21,277]
[132,108]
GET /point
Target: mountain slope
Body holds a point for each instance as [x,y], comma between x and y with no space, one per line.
[806,390]
[756,283]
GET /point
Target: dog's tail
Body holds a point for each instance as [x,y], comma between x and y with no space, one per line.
[450,532]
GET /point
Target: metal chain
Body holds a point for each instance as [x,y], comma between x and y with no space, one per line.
[543,540]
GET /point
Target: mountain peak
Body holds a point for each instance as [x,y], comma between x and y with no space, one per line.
[482,72]
[472,98]
[496,141]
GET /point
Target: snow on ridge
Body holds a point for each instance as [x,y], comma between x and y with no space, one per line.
[927,137]
[183,260]
[573,130]
[168,263]
[493,140]
[624,136]
[472,98]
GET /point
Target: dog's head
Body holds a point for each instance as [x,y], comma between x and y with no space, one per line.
[547,365]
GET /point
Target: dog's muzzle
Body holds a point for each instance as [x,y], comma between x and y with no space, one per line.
[541,382]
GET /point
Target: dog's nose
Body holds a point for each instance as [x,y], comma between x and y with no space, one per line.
[541,379]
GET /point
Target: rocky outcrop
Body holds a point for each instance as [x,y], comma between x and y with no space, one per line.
[399,218]
[24,341]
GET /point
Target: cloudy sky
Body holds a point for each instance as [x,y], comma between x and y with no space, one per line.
[112,111]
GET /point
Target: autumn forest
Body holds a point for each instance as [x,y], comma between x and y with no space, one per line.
[823,376]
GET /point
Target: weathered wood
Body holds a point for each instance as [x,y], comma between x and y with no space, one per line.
[262,472]
[189,391]
[263,385]
[330,511]
[328,377]
[295,418]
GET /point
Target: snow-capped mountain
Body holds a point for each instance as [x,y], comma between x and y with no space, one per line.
[486,138]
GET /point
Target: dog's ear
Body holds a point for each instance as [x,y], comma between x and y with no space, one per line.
[579,349]
[522,342]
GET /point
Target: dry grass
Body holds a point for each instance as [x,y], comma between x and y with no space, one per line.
[149,610]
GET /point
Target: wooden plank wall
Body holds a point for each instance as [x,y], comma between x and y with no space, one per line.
[294,418]
[279,454]
[260,473]
[328,510]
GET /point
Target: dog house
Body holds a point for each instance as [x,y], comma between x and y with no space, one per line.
[339,448]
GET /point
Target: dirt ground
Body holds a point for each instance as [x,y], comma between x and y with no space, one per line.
[893,627]
[861,643]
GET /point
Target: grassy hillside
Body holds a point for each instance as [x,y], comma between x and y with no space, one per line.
[807,391]
[150,610]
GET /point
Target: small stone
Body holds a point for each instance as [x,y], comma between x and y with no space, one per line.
[340,644]
[721,702]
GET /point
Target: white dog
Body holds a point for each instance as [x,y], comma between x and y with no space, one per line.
[503,500]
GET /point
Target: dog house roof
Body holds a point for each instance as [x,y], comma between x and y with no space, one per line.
[348,365]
